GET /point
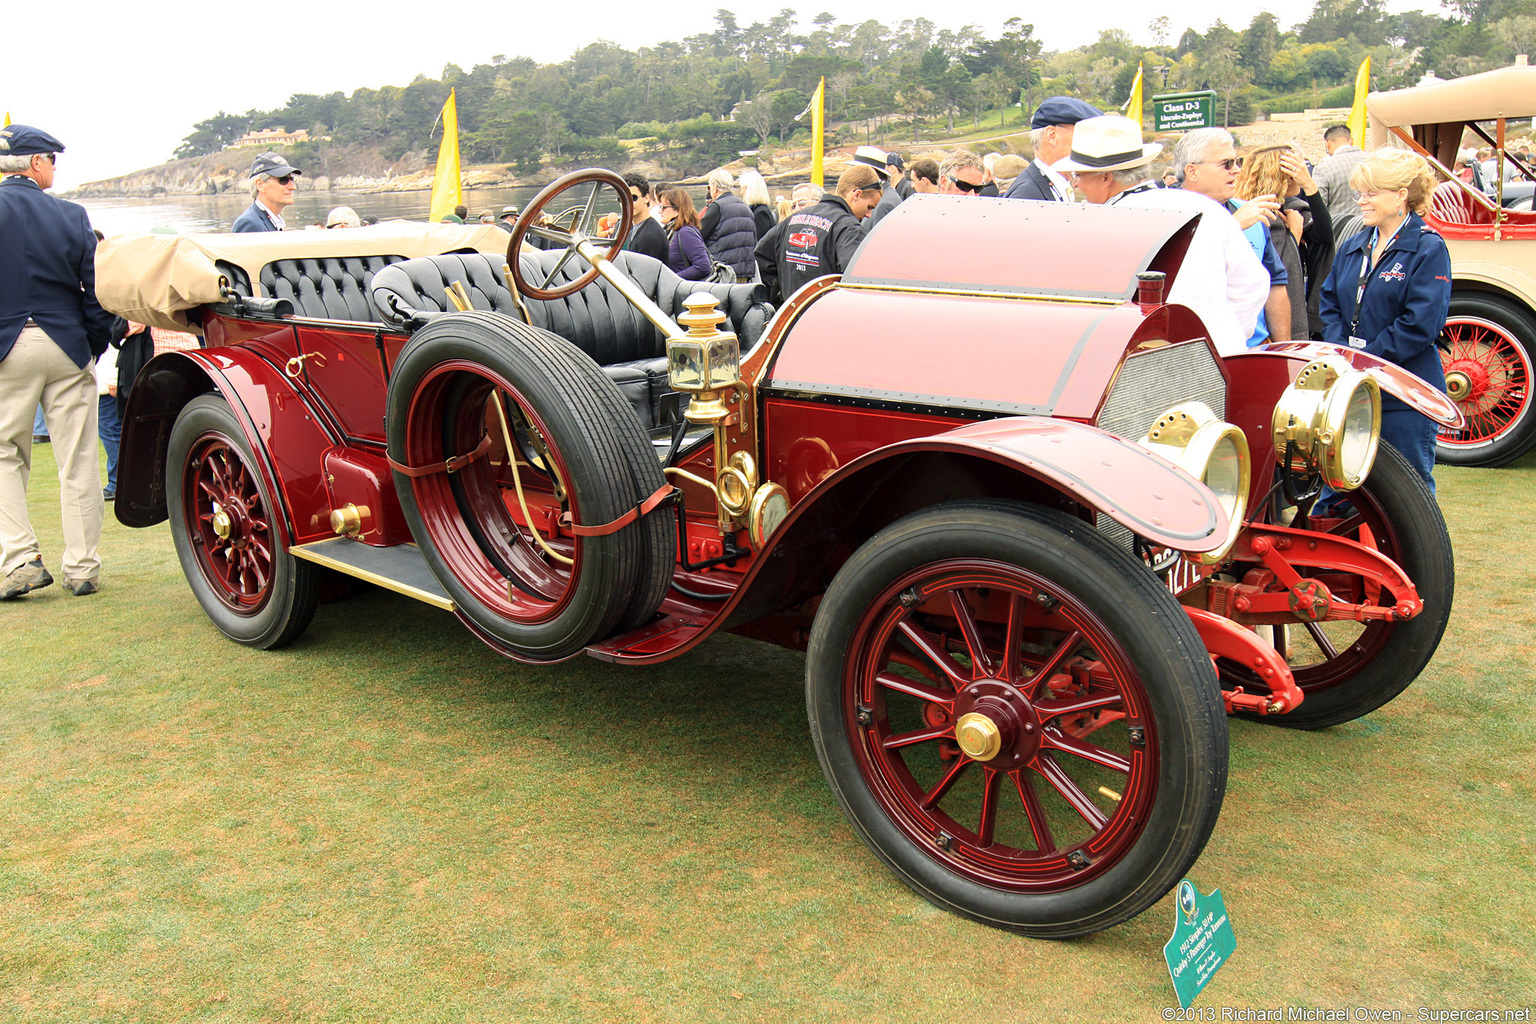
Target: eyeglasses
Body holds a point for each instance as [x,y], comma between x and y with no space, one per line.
[1362,197]
[286,179]
[1229,164]
[53,158]
[966,186]
[636,196]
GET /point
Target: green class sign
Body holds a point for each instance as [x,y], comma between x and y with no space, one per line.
[1202,940]
[1183,111]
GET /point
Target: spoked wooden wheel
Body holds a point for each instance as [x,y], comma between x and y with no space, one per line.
[1346,668]
[1016,718]
[1487,357]
[226,535]
[470,383]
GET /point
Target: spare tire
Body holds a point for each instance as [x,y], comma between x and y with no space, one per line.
[557,402]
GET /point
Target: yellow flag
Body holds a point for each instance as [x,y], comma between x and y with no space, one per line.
[7,120]
[1133,105]
[1356,120]
[818,132]
[447,185]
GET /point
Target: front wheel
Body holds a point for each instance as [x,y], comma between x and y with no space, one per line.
[227,536]
[1487,349]
[1016,717]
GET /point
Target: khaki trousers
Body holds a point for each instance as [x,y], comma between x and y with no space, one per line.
[37,370]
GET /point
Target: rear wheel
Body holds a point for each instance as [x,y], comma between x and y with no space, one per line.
[227,535]
[1016,718]
[522,584]
[1487,353]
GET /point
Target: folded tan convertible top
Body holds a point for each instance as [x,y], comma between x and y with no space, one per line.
[156,279]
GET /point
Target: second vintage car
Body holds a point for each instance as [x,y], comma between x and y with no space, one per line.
[1036,538]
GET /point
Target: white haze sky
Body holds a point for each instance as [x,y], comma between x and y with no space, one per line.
[122,84]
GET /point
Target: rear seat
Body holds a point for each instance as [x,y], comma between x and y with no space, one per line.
[331,288]
[597,319]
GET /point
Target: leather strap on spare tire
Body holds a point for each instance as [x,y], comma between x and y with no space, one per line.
[504,587]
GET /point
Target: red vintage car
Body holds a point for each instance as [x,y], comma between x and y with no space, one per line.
[1036,538]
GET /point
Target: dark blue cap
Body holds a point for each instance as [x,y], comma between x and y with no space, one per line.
[1062,110]
[24,140]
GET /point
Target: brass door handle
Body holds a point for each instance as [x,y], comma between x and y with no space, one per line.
[295,366]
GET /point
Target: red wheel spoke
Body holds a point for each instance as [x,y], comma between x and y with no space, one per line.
[913,688]
[1013,637]
[934,795]
[981,662]
[936,654]
[1063,784]
[1087,751]
[1052,664]
[1075,705]
[1045,841]
[989,801]
[907,739]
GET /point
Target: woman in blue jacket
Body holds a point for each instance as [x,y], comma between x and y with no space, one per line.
[686,254]
[1390,289]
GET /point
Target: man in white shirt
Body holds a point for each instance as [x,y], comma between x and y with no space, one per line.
[1220,278]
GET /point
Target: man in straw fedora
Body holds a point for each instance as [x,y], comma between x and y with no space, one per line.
[1220,278]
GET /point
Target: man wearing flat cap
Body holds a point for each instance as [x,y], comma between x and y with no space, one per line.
[272,188]
[51,331]
[1050,134]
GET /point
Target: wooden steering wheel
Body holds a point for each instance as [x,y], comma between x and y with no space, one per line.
[578,238]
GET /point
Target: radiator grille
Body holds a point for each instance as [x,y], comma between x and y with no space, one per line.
[1149,383]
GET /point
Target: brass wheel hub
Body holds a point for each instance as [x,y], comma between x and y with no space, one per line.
[1457,385]
[222,524]
[996,724]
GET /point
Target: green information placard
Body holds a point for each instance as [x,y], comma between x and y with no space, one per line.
[1202,941]
[1183,111]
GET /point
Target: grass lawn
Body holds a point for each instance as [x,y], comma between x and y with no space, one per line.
[388,822]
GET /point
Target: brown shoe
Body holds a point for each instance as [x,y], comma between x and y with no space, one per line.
[81,588]
[22,581]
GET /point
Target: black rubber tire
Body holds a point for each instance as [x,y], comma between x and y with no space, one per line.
[1156,640]
[1423,550]
[623,576]
[1518,437]
[289,601]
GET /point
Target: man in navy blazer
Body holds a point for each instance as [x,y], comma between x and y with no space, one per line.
[272,188]
[1050,133]
[51,330]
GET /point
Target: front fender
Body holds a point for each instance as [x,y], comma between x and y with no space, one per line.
[1143,492]
[1408,388]
[288,438]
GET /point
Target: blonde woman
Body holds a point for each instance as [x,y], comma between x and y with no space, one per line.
[1303,233]
[754,192]
[1390,289]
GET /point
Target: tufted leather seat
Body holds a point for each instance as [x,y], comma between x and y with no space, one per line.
[597,319]
[331,288]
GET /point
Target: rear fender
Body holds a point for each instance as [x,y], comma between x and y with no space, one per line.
[1057,463]
[268,408]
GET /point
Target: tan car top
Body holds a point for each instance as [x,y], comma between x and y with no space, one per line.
[1505,92]
[156,279]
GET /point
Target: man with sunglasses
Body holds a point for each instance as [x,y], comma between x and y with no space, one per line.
[822,238]
[51,330]
[647,236]
[962,174]
[272,188]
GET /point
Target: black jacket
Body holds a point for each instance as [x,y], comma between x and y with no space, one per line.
[729,232]
[649,239]
[48,272]
[817,241]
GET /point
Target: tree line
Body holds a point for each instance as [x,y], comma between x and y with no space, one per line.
[712,95]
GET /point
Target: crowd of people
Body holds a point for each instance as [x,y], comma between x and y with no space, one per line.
[1283,250]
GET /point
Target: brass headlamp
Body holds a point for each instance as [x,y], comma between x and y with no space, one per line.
[1330,422]
[1215,452]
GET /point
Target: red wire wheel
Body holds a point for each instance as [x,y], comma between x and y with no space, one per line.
[226,535]
[1348,669]
[580,452]
[1016,717]
[1486,355]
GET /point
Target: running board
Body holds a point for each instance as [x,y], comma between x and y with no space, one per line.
[400,568]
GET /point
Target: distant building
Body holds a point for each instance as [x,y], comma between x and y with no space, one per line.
[269,137]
